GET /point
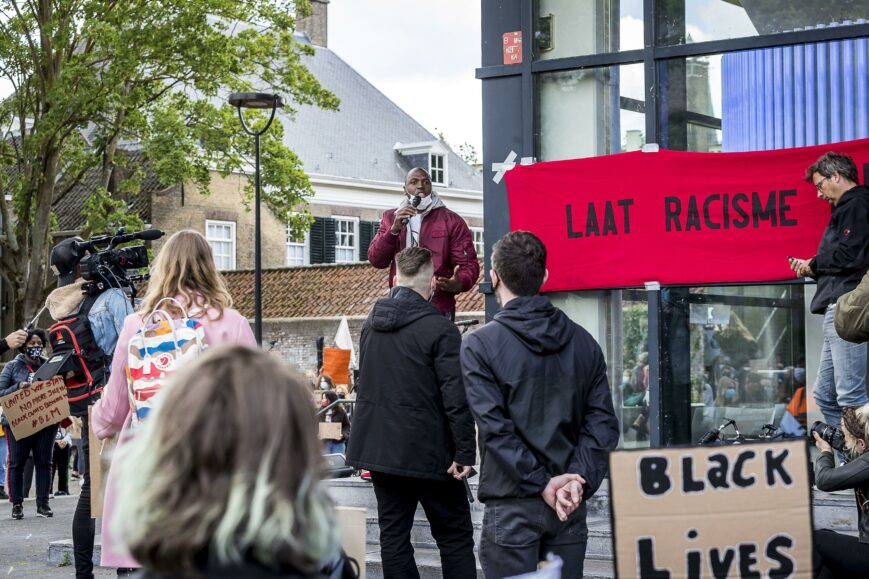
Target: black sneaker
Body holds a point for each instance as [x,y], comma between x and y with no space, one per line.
[44,511]
[17,511]
[61,494]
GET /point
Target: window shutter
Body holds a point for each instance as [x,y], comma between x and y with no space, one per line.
[322,239]
[367,230]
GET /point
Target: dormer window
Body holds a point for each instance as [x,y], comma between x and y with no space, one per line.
[427,154]
[437,169]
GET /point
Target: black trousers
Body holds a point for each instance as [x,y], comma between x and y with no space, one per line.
[40,444]
[840,556]
[449,515]
[60,466]
[83,526]
[519,533]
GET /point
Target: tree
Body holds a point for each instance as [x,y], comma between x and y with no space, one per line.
[90,75]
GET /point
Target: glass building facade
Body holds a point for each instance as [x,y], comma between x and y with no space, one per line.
[599,77]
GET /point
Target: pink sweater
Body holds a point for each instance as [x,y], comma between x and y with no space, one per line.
[112,412]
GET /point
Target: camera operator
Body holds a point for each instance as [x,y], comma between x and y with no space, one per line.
[838,555]
[105,316]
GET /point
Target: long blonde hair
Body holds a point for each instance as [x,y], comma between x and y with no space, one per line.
[185,267]
[227,466]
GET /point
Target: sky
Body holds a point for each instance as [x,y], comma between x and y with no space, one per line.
[420,54]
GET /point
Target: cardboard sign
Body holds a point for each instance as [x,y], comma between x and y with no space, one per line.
[352,521]
[29,410]
[512,47]
[712,511]
[330,431]
[99,461]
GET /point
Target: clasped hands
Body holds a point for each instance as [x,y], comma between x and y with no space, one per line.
[564,494]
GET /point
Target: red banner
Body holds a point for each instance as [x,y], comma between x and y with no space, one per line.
[674,217]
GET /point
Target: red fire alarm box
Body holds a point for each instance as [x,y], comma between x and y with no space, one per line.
[513,47]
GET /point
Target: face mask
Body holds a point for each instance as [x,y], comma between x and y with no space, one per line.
[33,351]
[424,203]
[324,385]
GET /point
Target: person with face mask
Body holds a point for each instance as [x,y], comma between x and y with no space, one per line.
[17,375]
[838,555]
[422,220]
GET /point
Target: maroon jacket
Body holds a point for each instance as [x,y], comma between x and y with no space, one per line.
[443,233]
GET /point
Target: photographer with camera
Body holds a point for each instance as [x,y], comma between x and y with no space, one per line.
[103,318]
[838,555]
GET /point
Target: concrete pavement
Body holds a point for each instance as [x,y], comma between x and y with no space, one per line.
[24,543]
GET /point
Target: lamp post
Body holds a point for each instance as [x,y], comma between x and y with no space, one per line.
[256,100]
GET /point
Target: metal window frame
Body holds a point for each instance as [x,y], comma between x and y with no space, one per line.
[652,56]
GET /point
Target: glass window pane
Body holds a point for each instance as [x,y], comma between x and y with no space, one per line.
[588,112]
[570,28]
[732,356]
[769,98]
[703,20]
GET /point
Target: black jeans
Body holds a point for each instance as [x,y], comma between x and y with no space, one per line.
[840,556]
[518,533]
[83,527]
[60,465]
[449,515]
[40,444]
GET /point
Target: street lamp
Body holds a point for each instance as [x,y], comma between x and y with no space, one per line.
[256,100]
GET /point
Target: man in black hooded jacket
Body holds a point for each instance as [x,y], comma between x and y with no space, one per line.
[537,387]
[411,427]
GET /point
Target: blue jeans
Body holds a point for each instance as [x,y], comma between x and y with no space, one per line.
[334,447]
[841,373]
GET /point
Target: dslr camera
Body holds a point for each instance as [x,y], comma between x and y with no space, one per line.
[832,435]
[101,264]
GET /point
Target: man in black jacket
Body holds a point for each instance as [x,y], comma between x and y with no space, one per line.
[841,262]
[538,389]
[411,427]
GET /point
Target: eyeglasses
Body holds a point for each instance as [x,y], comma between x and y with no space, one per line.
[820,183]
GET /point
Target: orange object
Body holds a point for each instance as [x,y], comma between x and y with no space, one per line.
[336,363]
[797,407]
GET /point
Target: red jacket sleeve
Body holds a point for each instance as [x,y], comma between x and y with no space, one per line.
[385,245]
[463,254]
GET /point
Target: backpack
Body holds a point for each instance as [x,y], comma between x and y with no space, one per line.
[157,350]
[85,369]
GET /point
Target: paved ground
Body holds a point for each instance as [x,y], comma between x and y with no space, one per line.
[24,543]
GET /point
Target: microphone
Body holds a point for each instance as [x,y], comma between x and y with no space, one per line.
[415,201]
[145,235]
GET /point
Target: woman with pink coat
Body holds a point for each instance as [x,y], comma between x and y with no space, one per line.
[184,269]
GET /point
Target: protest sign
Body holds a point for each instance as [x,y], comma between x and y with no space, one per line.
[99,461]
[330,431]
[31,409]
[712,511]
[673,216]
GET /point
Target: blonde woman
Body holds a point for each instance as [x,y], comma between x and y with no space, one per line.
[184,269]
[223,480]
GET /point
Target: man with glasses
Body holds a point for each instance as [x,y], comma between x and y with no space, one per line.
[422,220]
[841,262]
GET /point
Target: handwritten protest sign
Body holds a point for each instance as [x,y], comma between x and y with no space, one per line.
[330,431]
[712,511]
[31,409]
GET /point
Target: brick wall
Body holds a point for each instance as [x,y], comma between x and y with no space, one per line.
[225,202]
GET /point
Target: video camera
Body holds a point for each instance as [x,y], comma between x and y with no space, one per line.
[832,435]
[103,266]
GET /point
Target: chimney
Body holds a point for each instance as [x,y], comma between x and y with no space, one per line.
[316,24]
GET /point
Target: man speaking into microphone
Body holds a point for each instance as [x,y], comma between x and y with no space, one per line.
[422,220]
